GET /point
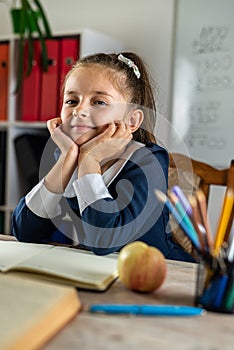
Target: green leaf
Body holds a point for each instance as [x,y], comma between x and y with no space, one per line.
[48,31]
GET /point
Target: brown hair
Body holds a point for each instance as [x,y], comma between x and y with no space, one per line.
[140,90]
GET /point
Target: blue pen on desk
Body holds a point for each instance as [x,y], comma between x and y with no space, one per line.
[147,310]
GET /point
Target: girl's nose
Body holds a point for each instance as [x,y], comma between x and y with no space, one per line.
[80,112]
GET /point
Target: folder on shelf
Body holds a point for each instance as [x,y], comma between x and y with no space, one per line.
[49,83]
[2,166]
[69,54]
[31,87]
[4,69]
[32,312]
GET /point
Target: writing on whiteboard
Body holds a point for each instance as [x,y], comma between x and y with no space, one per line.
[211,39]
[203,85]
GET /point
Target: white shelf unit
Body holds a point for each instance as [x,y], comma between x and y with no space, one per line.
[90,41]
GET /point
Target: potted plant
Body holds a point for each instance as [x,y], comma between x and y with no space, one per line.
[29,21]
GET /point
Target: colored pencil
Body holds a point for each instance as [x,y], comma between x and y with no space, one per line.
[201,199]
[224,218]
[177,216]
[196,220]
[179,206]
[182,198]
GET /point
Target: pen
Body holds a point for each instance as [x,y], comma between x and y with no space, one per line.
[147,310]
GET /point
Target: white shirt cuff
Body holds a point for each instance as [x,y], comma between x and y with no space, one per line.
[69,190]
[90,188]
[42,202]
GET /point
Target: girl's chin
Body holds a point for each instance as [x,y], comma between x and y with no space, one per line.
[77,138]
[83,137]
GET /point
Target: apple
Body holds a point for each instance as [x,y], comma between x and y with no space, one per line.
[141,267]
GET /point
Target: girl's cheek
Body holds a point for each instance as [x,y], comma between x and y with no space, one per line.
[65,118]
[65,125]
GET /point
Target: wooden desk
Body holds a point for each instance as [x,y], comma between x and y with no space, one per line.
[104,332]
[212,331]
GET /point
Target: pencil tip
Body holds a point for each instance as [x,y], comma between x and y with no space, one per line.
[160,195]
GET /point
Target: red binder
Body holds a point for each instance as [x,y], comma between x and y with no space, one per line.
[69,54]
[4,68]
[49,84]
[31,87]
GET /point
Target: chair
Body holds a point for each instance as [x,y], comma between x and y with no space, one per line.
[204,175]
[191,174]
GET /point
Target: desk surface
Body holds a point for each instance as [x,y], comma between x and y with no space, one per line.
[212,331]
[100,331]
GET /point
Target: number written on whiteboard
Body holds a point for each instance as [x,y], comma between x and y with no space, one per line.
[211,39]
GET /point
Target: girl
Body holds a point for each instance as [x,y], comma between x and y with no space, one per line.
[109,163]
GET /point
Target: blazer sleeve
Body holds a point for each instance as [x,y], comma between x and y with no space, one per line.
[28,227]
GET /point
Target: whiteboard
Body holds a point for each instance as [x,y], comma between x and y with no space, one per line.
[203,80]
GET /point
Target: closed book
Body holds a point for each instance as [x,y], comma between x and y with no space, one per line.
[49,82]
[72,266]
[32,312]
[4,69]
[31,86]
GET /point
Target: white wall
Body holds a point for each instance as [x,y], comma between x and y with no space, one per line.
[145,27]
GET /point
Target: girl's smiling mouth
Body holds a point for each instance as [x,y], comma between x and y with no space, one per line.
[78,127]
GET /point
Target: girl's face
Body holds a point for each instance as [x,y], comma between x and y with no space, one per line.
[90,102]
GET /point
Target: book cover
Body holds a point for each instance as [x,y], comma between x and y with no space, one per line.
[71,266]
[4,69]
[32,312]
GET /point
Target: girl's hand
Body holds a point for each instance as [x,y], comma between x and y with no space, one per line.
[62,140]
[106,146]
[59,176]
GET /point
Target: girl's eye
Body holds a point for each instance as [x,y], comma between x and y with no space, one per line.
[99,103]
[71,102]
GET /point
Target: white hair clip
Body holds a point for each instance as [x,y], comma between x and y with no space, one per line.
[131,64]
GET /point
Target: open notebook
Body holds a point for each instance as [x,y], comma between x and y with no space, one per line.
[66,265]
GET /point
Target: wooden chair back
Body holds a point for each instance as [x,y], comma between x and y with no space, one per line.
[207,174]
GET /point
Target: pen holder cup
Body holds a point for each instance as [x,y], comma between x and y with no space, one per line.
[215,288]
